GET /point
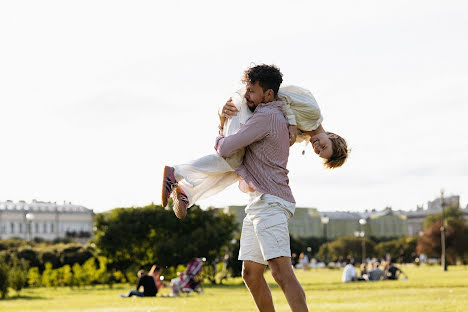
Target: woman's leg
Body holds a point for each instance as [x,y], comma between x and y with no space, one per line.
[204,177]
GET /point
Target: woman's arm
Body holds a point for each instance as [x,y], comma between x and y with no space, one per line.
[288,113]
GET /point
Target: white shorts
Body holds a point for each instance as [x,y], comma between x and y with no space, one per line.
[265,233]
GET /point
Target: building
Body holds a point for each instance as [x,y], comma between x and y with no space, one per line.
[380,224]
[415,218]
[45,220]
[307,222]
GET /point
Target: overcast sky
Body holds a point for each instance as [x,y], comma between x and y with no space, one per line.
[97,96]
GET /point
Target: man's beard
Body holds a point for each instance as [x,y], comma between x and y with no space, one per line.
[252,108]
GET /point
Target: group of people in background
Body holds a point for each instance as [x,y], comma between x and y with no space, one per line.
[371,271]
[149,283]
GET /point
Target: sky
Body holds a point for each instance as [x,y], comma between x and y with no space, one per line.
[97,96]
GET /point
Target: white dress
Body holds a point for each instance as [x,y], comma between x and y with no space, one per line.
[211,174]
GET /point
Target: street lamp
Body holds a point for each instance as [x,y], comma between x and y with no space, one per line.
[325,221]
[363,222]
[30,218]
[443,258]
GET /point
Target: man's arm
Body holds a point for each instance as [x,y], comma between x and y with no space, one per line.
[255,129]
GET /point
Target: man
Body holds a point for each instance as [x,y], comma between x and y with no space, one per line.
[203,177]
[376,274]
[149,282]
[263,173]
[393,272]
[305,119]
[349,272]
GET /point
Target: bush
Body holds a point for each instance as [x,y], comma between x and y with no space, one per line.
[18,274]
[344,247]
[78,275]
[67,275]
[75,254]
[30,255]
[49,276]
[402,250]
[49,256]
[34,277]
[4,278]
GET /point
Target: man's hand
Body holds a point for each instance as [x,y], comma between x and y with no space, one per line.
[229,109]
[292,134]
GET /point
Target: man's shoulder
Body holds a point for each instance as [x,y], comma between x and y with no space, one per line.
[270,111]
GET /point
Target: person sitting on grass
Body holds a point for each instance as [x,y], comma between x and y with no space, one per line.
[149,281]
[393,272]
[376,274]
[349,272]
[364,276]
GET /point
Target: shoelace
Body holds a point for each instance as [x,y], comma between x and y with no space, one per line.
[184,198]
[170,185]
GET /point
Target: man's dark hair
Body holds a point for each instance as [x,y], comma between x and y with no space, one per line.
[268,77]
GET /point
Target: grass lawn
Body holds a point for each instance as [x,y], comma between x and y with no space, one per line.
[427,289]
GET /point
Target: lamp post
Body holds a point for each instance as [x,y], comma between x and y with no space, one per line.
[363,222]
[325,221]
[29,218]
[443,258]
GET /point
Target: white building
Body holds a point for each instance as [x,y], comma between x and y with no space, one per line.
[45,220]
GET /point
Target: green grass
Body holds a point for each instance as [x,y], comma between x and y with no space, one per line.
[427,289]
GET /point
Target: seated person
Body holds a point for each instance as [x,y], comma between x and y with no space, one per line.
[364,276]
[349,272]
[376,274]
[176,284]
[303,261]
[393,272]
[149,282]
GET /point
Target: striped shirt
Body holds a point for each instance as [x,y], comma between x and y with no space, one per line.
[265,137]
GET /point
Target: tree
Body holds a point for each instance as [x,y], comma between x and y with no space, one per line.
[48,276]
[347,246]
[456,235]
[34,277]
[79,276]
[18,274]
[67,275]
[402,250]
[4,278]
[152,234]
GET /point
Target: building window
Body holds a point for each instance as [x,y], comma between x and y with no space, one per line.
[12,227]
[36,227]
[21,228]
[44,228]
[52,228]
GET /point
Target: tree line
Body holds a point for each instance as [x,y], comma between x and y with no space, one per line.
[128,239]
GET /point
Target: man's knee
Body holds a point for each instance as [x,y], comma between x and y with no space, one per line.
[280,276]
[281,272]
[251,274]
[248,275]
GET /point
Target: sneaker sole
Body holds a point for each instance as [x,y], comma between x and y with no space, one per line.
[180,209]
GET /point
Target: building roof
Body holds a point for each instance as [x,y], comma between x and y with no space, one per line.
[41,206]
